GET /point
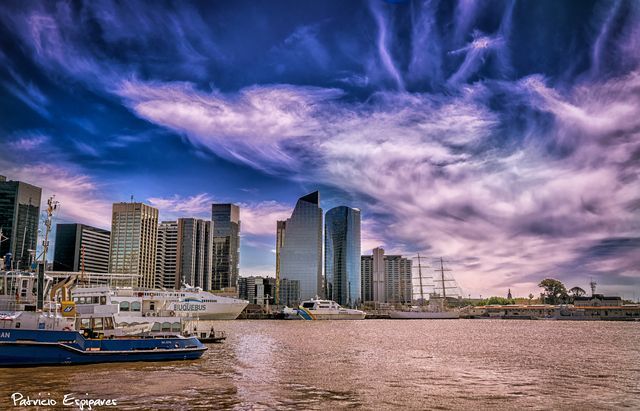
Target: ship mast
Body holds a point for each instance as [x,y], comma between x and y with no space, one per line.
[442,279]
[52,205]
[419,258]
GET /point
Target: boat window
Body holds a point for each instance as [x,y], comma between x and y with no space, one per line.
[124,306]
[85,323]
[25,285]
[166,326]
[95,300]
[156,327]
[103,300]
[175,327]
[97,324]
[2,286]
[307,305]
[152,306]
[123,324]
[135,306]
[108,323]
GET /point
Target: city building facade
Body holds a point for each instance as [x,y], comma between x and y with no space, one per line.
[257,290]
[300,255]
[194,252]
[289,292]
[80,247]
[386,278]
[134,234]
[166,254]
[19,216]
[342,256]
[185,253]
[226,245]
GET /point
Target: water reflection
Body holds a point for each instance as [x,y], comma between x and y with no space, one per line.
[372,365]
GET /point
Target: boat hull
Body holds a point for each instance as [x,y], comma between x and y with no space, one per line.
[423,315]
[339,316]
[38,347]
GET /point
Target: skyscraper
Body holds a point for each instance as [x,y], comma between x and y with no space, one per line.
[185,253]
[226,245]
[373,276]
[280,230]
[167,249]
[70,241]
[19,213]
[300,256]
[134,234]
[386,278]
[194,252]
[342,255]
[399,281]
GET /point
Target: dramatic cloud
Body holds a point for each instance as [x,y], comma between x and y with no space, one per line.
[503,137]
[258,219]
[80,198]
[430,165]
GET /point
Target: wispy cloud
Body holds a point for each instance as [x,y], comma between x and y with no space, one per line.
[177,206]
[429,165]
[81,198]
[461,139]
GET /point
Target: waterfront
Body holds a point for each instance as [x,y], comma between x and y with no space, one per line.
[376,364]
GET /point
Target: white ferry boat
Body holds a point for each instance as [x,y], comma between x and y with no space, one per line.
[317,309]
[192,303]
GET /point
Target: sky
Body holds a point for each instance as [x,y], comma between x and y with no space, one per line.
[503,136]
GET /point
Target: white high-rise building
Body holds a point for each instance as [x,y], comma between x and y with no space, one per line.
[386,278]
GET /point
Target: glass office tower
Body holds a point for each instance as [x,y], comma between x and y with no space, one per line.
[342,255]
[226,245]
[19,214]
[300,255]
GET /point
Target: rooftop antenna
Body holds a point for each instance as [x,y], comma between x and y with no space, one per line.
[593,287]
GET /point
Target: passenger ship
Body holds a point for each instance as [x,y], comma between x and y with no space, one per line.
[163,311]
[189,302]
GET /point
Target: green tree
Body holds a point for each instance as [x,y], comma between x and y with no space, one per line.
[554,291]
[577,292]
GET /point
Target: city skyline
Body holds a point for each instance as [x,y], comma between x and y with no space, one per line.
[459,129]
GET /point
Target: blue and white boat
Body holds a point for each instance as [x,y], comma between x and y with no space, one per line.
[20,347]
[62,333]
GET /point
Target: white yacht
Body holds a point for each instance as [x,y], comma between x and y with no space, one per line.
[317,309]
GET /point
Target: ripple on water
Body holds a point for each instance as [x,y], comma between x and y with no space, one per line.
[373,364]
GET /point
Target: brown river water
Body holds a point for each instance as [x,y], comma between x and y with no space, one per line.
[371,364]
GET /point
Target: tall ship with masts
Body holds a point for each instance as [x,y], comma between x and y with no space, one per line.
[436,307]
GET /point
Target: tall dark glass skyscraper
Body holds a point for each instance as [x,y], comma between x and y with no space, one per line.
[19,213]
[71,238]
[226,245]
[299,249]
[342,255]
